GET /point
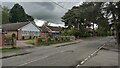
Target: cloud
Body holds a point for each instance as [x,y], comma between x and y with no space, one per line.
[48,11]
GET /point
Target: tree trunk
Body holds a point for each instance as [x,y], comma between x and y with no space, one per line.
[117,28]
[118,33]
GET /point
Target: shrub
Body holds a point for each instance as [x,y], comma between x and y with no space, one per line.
[8,40]
[55,38]
[72,32]
[39,40]
[49,39]
[62,39]
[86,34]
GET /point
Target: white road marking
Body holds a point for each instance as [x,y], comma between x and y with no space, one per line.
[39,59]
[91,55]
[32,61]
[77,65]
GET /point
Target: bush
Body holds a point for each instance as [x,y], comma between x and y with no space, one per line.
[86,35]
[55,38]
[62,39]
[39,40]
[72,32]
[8,40]
[49,39]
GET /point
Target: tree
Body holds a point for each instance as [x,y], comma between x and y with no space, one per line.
[90,13]
[29,18]
[113,9]
[0,15]
[118,24]
[17,14]
[93,13]
[81,17]
[5,15]
[103,27]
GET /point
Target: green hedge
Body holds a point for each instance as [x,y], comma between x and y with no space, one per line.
[40,40]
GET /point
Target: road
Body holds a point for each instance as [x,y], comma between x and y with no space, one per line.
[69,55]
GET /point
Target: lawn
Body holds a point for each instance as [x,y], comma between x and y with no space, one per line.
[9,49]
[44,44]
[30,42]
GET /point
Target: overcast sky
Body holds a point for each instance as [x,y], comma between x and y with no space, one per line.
[48,11]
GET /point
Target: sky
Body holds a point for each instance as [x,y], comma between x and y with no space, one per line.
[45,11]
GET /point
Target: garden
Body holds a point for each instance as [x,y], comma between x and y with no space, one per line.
[39,41]
[9,44]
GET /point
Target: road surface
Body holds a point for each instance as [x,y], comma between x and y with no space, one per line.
[69,55]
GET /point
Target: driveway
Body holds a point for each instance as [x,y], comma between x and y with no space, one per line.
[22,44]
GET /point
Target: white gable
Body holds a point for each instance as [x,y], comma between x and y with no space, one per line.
[29,27]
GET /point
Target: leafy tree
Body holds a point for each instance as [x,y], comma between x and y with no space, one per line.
[118,24]
[5,15]
[81,17]
[90,13]
[0,15]
[17,14]
[93,13]
[29,18]
[75,32]
[113,9]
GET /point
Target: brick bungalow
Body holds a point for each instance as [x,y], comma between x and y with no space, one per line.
[21,30]
[50,30]
[1,38]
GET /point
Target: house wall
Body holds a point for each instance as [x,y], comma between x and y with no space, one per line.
[1,40]
[19,35]
[30,29]
[28,32]
[44,35]
[10,33]
[55,33]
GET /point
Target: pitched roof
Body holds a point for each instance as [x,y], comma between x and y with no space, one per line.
[50,28]
[45,28]
[54,28]
[13,26]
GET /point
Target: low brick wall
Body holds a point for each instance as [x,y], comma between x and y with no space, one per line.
[1,40]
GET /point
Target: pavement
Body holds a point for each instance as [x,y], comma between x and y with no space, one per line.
[69,55]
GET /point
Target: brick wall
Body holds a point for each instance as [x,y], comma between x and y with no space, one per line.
[1,40]
[19,35]
[10,33]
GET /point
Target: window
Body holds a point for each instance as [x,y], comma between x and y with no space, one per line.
[24,33]
[36,33]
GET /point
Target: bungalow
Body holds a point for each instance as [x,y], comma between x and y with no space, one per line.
[50,30]
[21,30]
[1,38]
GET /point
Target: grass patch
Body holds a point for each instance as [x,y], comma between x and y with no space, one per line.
[30,42]
[9,49]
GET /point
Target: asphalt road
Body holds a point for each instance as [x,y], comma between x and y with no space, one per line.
[69,55]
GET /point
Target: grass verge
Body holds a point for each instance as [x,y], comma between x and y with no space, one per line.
[9,49]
